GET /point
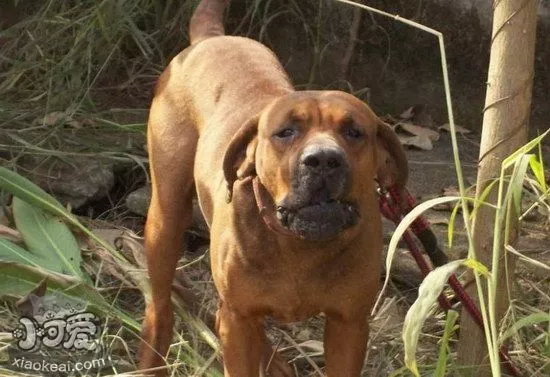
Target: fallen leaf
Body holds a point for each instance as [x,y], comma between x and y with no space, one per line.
[447,127]
[418,130]
[53,118]
[313,345]
[407,114]
[109,235]
[88,122]
[420,142]
[418,114]
[74,124]
[450,191]
[110,265]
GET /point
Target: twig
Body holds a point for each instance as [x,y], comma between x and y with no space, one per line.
[354,30]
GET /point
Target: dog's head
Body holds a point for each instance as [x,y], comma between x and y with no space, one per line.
[318,155]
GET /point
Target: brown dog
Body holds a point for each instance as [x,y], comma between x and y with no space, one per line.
[286,183]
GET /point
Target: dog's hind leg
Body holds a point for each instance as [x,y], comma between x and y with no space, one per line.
[172,143]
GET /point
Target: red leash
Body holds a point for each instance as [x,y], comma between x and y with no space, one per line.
[393,208]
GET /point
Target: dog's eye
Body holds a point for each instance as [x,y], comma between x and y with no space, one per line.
[353,133]
[285,133]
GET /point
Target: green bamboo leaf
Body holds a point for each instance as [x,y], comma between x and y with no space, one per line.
[18,280]
[451,226]
[515,188]
[48,237]
[450,328]
[537,168]
[530,320]
[510,160]
[542,169]
[481,200]
[402,228]
[428,292]
[11,252]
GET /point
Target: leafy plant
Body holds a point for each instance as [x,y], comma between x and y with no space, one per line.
[52,255]
[51,252]
[507,204]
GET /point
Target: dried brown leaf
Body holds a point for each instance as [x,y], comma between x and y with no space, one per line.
[419,142]
[417,130]
[53,118]
[407,114]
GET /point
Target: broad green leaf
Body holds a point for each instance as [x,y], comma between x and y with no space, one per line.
[530,320]
[11,252]
[444,346]
[402,228]
[18,280]
[23,188]
[48,237]
[428,292]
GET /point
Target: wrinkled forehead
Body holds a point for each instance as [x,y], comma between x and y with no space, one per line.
[326,108]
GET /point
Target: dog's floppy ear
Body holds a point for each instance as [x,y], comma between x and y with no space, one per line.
[391,166]
[239,158]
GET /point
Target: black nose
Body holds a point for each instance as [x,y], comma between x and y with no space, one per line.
[323,159]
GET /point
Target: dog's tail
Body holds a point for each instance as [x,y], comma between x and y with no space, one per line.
[207,21]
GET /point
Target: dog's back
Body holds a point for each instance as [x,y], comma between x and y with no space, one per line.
[217,71]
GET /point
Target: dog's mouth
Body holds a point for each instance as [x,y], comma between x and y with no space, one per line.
[319,221]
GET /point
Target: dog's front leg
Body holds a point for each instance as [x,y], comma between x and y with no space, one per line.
[345,345]
[243,341]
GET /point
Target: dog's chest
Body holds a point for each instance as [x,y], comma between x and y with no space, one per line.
[293,298]
[290,289]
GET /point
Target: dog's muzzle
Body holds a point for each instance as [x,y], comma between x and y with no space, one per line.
[319,221]
[314,209]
